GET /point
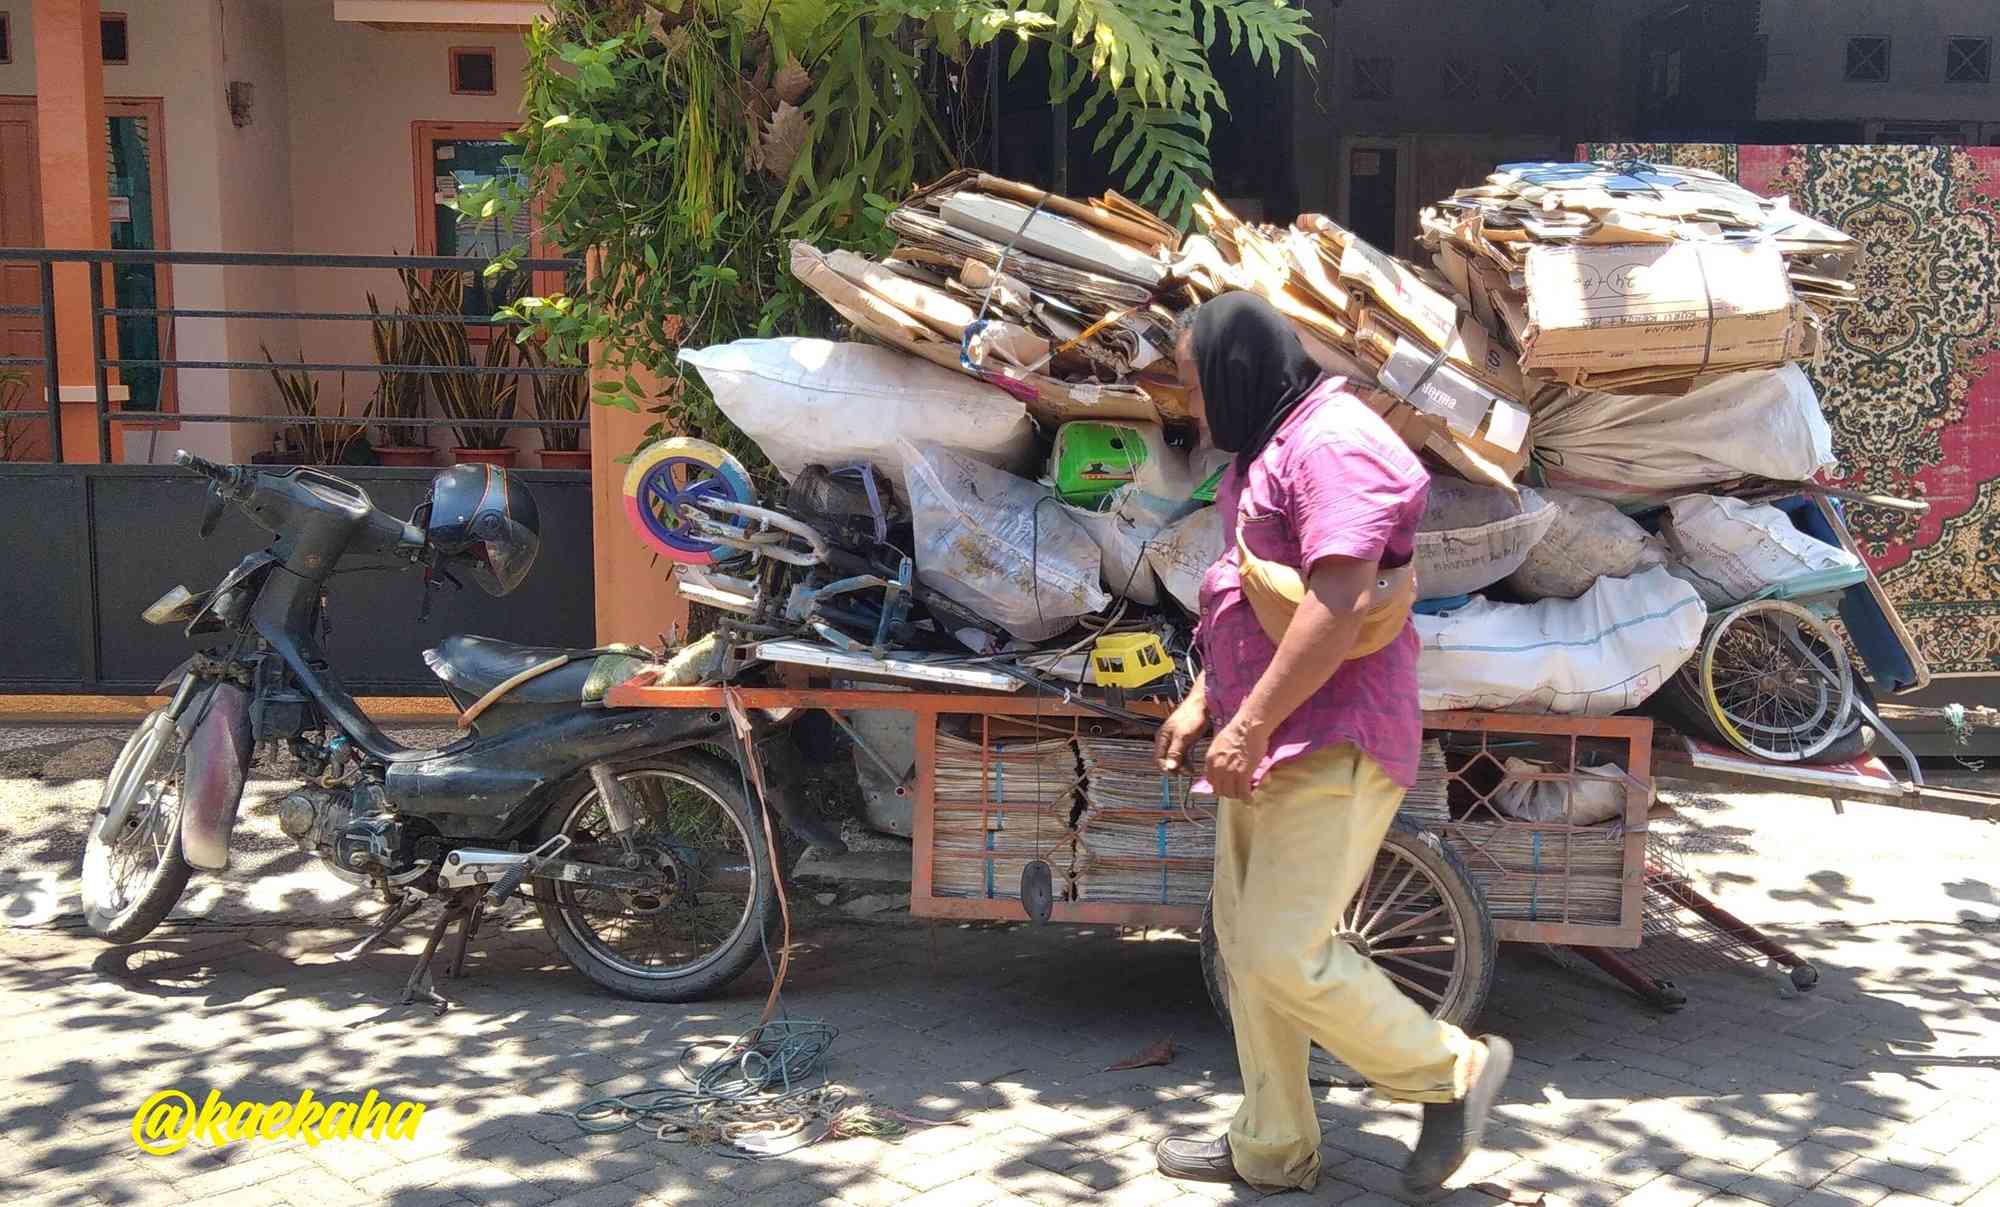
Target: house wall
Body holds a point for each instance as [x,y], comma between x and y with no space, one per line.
[253,172]
[1806,59]
[355,92]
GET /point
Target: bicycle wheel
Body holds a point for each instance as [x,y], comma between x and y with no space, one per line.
[1419,916]
[1775,681]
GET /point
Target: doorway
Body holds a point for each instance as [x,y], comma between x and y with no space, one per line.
[135,162]
[1372,207]
[135,142]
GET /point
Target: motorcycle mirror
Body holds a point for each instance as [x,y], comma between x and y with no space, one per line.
[212,514]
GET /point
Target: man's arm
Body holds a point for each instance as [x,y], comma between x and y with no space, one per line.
[1339,592]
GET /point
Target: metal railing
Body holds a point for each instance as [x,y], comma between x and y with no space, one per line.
[105,359]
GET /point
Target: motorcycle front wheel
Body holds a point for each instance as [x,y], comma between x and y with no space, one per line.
[133,878]
[716,904]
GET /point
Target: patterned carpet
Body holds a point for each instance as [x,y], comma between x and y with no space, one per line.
[1911,377]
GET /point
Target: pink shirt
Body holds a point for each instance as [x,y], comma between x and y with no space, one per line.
[1334,481]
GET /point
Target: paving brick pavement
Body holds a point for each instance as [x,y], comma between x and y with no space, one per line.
[1879,1088]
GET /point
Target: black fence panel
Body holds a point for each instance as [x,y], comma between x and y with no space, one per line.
[87,548]
[44,578]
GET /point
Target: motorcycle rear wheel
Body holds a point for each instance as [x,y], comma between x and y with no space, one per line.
[133,881]
[720,902]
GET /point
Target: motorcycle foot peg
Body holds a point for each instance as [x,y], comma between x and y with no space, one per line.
[518,874]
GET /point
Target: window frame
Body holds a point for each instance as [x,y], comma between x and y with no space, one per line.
[123,21]
[457,83]
[1887,60]
[1952,52]
[1461,79]
[1385,82]
[1521,80]
[6,37]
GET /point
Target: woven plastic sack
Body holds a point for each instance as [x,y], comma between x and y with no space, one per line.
[1594,656]
[814,401]
[1000,545]
[1731,550]
[1182,554]
[1639,449]
[1587,539]
[1125,529]
[1473,536]
[1592,795]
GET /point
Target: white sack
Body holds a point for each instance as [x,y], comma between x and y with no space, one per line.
[1473,536]
[814,401]
[1183,553]
[1593,795]
[987,540]
[1587,540]
[1731,550]
[1638,448]
[1593,656]
[1124,533]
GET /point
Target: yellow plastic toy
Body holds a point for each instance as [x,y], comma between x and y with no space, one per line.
[1130,660]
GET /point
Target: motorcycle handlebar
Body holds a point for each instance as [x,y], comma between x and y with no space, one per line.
[223,474]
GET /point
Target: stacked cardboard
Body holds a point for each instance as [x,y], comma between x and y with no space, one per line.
[1636,278]
[998,808]
[1051,299]
[1443,382]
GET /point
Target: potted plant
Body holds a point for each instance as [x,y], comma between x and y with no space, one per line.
[398,395]
[560,401]
[314,443]
[484,391]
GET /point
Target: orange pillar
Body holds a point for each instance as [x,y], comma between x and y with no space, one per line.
[76,210]
[636,599]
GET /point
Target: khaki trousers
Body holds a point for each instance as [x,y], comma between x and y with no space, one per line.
[1287,864]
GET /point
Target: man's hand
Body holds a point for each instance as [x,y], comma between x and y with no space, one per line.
[1233,758]
[1179,731]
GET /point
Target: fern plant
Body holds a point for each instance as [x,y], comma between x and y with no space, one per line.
[680,145]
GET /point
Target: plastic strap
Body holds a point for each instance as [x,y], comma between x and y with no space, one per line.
[1535,875]
[1163,861]
[1437,362]
[866,472]
[1708,328]
[978,324]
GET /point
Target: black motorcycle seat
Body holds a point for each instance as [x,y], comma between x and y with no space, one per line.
[472,666]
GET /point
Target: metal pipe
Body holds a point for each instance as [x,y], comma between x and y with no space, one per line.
[51,374]
[100,375]
[264,259]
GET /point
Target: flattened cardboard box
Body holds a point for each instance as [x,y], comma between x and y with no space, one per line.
[1668,303]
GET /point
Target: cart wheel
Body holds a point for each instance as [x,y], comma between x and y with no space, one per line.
[1419,916]
[1775,681]
[1804,977]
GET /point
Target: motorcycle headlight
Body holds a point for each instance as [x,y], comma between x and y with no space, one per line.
[175,607]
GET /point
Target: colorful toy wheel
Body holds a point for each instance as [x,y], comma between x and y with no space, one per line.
[668,474]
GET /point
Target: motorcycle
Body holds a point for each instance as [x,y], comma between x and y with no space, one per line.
[650,861]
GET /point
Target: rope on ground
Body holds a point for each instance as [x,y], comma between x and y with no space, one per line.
[764,1096]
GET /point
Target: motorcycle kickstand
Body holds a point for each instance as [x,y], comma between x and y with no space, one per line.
[421,984]
[468,930]
[405,905]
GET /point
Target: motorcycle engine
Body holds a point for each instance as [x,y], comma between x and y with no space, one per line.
[346,827]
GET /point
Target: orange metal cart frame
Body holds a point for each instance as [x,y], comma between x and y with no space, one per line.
[1635,733]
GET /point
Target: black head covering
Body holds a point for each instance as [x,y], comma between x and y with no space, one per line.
[1253,371]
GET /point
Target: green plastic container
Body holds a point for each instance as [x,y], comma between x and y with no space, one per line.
[1093,459]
